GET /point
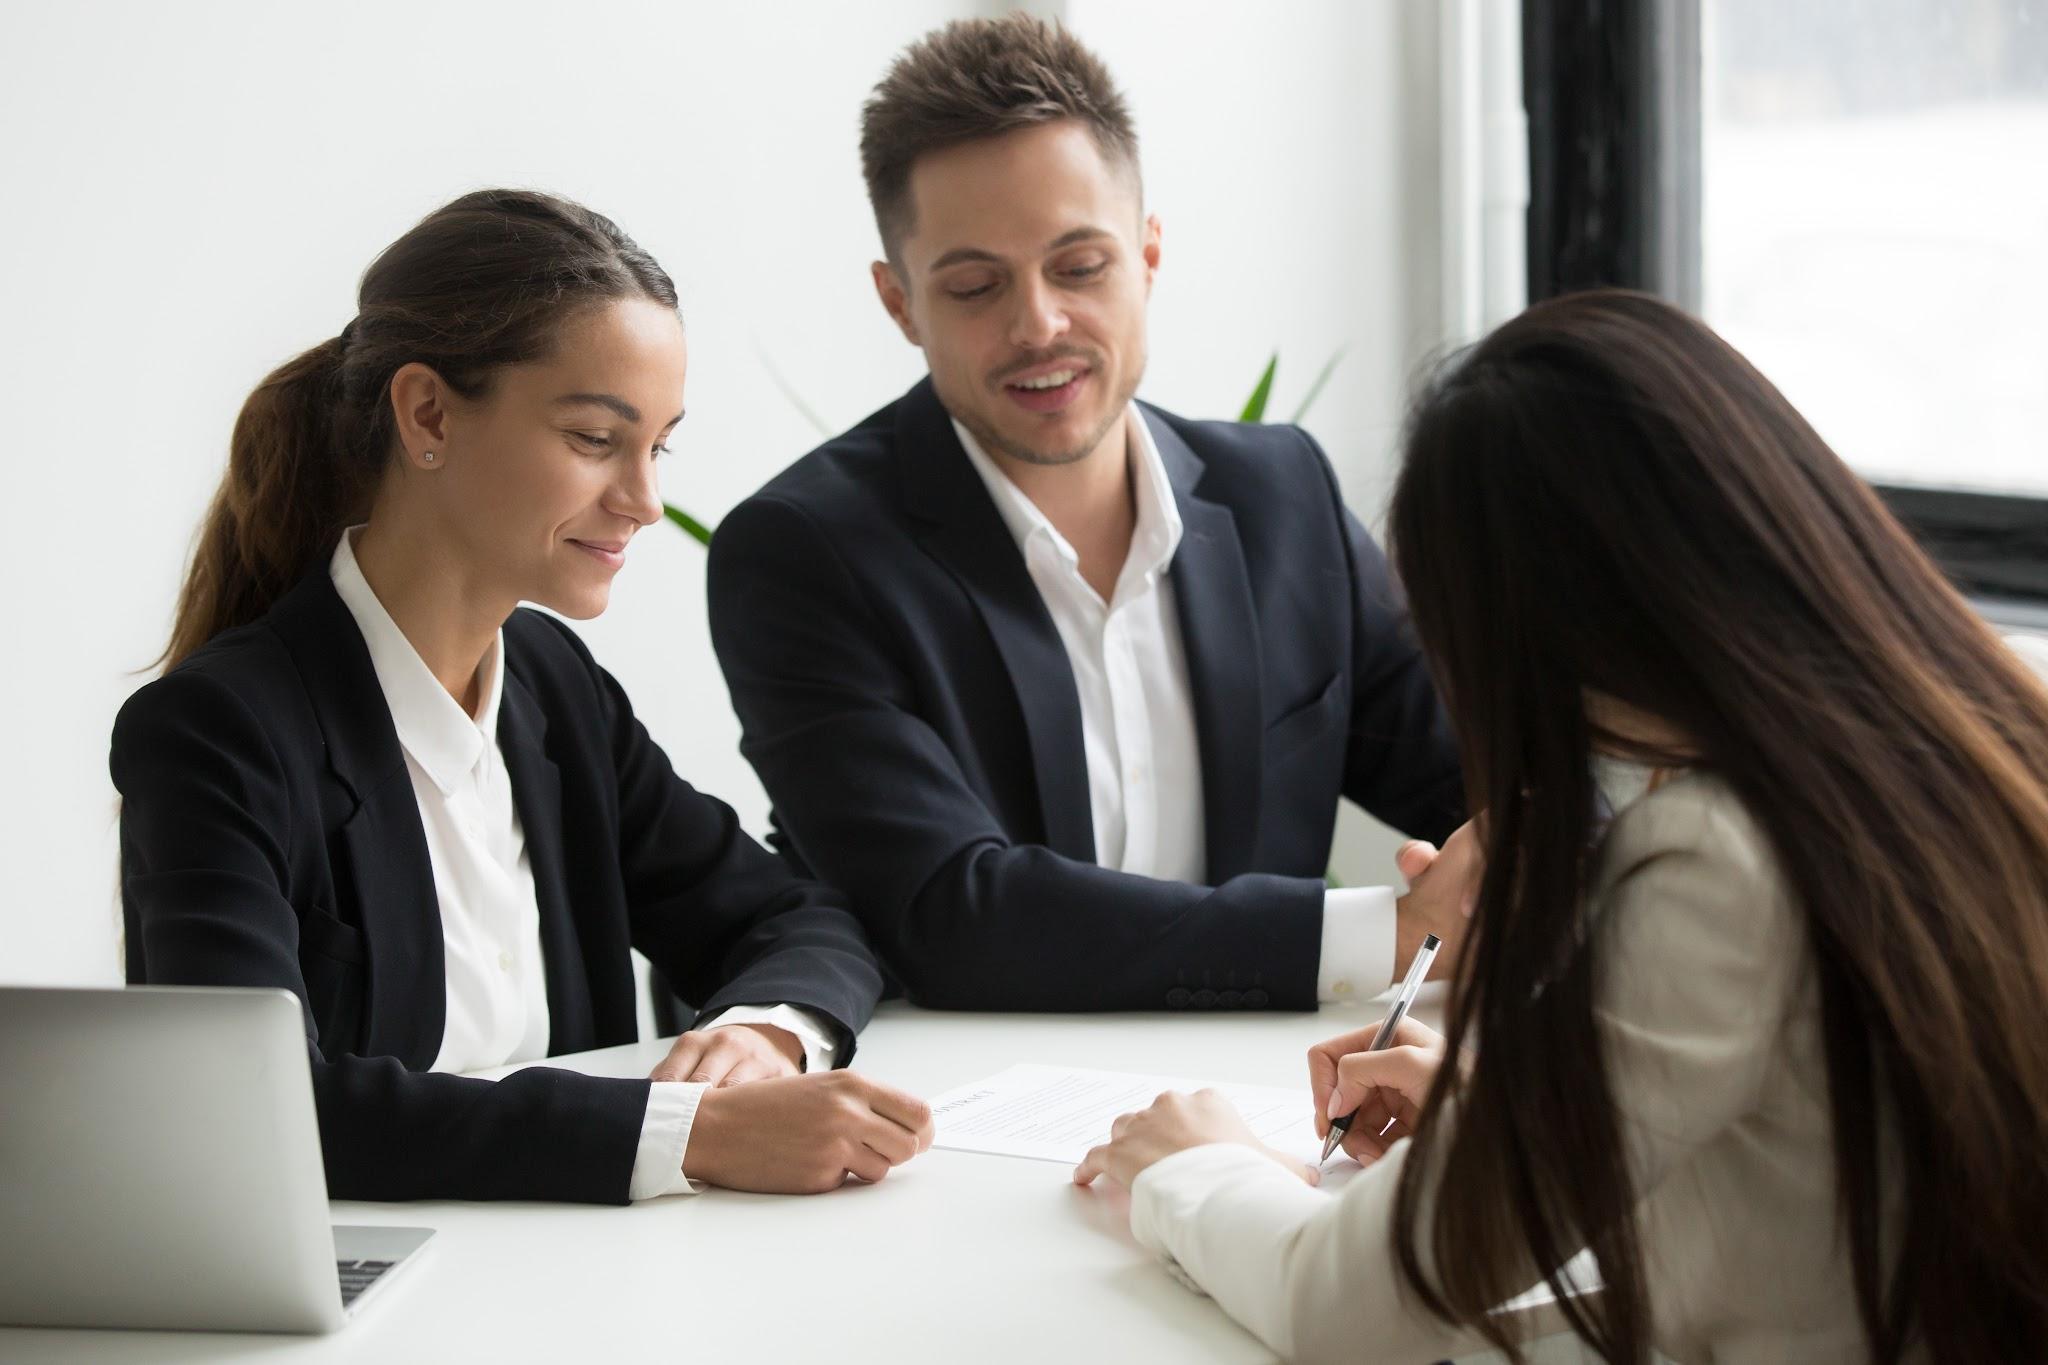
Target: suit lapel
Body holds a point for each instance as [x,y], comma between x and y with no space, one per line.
[1220,633]
[386,869]
[964,532]
[537,793]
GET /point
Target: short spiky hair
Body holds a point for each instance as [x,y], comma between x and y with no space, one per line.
[977,78]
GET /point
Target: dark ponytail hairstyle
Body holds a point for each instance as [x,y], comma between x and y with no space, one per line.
[1603,496]
[484,282]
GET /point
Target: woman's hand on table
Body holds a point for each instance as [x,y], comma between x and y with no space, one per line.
[1173,1123]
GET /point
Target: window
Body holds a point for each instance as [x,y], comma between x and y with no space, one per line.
[1854,193]
[1874,226]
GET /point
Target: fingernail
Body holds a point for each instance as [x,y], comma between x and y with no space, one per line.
[1333,1109]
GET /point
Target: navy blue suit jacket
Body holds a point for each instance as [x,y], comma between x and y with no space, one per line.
[909,706]
[270,837]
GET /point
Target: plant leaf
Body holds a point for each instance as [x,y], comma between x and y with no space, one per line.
[1255,406]
[1315,389]
[697,529]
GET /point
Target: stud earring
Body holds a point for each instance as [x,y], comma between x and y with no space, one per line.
[430,457]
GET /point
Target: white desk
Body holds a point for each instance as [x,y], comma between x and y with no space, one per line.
[954,1257]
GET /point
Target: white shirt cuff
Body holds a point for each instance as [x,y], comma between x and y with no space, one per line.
[664,1133]
[1358,944]
[810,1030]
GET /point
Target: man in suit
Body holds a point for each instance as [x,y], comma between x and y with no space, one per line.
[1060,688]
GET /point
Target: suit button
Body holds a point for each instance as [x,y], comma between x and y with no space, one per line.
[1230,1000]
[1205,999]
[1255,999]
[1178,997]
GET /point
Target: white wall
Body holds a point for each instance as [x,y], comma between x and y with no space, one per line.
[1291,153]
[193,190]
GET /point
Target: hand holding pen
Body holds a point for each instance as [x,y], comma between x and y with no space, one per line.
[1370,1084]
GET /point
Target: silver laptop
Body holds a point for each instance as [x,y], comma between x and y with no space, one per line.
[160,1167]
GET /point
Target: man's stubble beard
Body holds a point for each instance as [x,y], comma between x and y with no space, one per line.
[993,441]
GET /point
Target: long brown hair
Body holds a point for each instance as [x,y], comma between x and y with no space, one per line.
[1604,496]
[481,283]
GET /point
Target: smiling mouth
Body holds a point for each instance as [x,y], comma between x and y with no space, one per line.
[1057,379]
[1050,391]
[613,555]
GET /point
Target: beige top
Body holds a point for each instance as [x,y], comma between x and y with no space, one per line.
[1710,1011]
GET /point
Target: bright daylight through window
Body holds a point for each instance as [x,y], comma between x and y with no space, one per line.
[1874,230]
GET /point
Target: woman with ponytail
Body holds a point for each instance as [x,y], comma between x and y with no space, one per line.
[1752,1002]
[369,777]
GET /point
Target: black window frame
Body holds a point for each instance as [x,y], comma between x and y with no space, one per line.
[1612,93]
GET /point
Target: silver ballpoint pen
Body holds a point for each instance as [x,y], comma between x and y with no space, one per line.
[1412,983]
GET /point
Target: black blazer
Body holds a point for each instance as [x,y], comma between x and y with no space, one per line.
[908,704]
[270,837]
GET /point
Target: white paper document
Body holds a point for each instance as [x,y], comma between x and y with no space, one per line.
[1056,1113]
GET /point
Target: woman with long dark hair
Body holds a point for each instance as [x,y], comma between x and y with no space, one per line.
[369,777]
[1754,1004]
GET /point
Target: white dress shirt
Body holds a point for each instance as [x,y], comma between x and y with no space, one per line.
[497,1002]
[1138,715]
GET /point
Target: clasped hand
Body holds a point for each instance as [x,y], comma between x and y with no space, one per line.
[732,1055]
[761,1126]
